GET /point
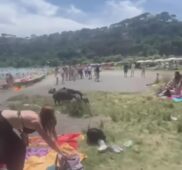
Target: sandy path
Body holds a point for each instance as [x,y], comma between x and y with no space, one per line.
[111,81]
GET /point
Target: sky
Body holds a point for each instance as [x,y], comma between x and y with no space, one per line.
[27,17]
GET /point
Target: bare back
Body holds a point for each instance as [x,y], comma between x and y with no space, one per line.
[26,119]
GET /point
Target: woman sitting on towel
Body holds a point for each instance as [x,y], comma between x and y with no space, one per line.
[14,128]
[174,87]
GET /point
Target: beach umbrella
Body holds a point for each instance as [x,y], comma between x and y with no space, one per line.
[159,60]
[171,59]
[178,59]
[140,61]
[149,61]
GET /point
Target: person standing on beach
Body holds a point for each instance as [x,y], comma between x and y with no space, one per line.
[125,69]
[70,73]
[74,73]
[89,72]
[85,70]
[97,73]
[62,73]
[80,71]
[66,70]
[143,70]
[56,73]
[132,69]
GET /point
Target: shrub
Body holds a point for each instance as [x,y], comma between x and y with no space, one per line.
[179,128]
[77,109]
[114,117]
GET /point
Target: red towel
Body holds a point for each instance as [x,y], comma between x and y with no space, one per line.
[71,139]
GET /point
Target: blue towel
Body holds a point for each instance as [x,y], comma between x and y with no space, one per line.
[177,99]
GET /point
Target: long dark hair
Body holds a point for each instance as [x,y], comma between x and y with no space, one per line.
[177,76]
[48,120]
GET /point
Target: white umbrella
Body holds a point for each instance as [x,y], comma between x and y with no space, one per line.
[171,59]
[159,60]
[149,61]
[178,59]
[140,61]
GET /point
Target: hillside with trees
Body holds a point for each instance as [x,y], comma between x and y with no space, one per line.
[144,35]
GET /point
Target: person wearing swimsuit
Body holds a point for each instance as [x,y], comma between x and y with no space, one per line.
[14,128]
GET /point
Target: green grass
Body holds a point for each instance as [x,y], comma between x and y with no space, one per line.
[74,109]
[142,118]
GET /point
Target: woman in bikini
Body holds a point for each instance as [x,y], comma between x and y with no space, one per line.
[16,125]
[175,85]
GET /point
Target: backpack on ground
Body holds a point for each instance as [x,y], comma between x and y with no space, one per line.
[94,135]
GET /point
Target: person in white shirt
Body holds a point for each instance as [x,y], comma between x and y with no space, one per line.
[62,74]
[56,72]
[132,69]
[89,72]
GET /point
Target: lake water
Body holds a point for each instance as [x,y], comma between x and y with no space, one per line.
[22,72]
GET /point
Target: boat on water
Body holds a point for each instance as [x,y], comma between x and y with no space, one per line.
[26,81]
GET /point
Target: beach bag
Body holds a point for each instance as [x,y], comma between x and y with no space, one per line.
[68,163]
[94,135]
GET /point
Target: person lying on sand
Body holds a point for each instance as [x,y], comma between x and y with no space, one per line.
[14,129]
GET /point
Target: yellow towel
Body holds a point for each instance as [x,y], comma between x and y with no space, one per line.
[41,163]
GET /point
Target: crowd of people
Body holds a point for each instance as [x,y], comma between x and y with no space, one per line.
[73,73]
[76,72]
[132,66]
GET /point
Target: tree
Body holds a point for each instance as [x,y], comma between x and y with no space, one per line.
[143,35]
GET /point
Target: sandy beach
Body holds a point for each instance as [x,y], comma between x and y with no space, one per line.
[111,81]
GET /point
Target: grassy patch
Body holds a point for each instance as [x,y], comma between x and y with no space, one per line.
[144,119]
[74,108]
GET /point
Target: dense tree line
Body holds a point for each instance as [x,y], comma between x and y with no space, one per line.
[143,35]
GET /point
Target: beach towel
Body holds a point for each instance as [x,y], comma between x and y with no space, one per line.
[70,139]
[177,99]
[173,98]
[39,156]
